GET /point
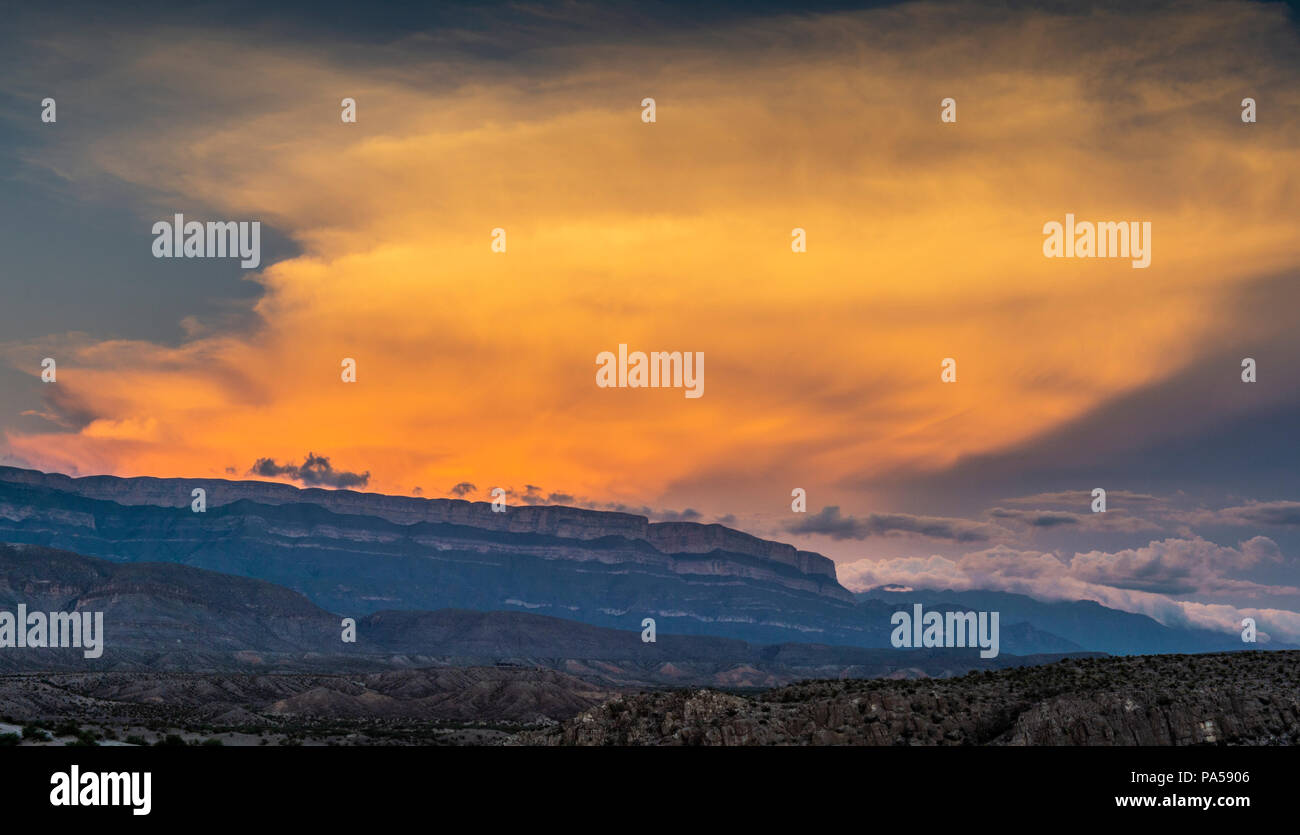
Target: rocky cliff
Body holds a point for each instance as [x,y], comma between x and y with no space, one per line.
[355,554]
[551,520]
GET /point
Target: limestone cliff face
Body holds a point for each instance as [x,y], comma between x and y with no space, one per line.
[693,538]
[359,553]
[551,520]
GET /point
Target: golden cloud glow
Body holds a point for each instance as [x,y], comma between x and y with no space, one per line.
[924,242]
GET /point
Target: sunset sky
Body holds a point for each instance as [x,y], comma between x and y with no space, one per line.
[924,241]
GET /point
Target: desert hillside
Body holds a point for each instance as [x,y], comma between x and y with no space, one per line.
[1245,698]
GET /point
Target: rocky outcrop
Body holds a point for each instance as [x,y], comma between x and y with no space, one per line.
[693,538]
[1249,698]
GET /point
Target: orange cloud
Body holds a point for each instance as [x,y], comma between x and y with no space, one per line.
[924,242]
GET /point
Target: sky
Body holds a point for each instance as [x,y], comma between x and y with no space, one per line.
[477,369]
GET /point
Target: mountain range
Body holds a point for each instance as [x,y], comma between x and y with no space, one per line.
[1086,623]
[163,617]
[327,554]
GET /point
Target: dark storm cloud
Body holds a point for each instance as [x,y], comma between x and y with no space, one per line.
[619,507]
[65,408]
[1271,513]
[830,523]
[1201,430]
[316,471]
[1035,518]
[485,26]
[1281,514]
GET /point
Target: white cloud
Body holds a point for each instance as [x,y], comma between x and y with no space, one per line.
[1139,580]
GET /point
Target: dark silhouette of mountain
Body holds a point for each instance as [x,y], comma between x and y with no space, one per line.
[356,554]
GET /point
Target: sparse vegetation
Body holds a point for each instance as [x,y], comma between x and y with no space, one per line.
[1247,698]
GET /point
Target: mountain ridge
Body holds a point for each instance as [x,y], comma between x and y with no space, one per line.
[165,617]
[328,546]
[557,520]
[355,564]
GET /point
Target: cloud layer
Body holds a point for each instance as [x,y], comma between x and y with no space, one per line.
[1147,580]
